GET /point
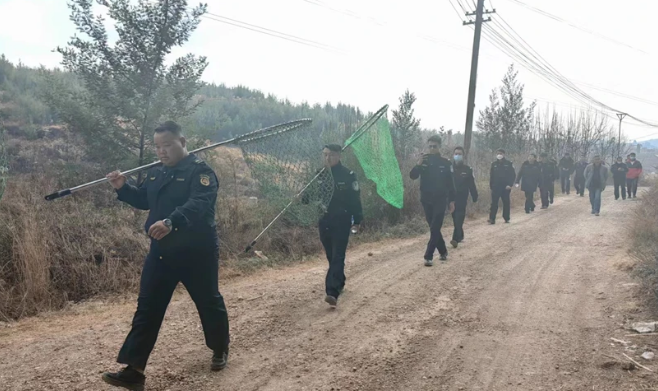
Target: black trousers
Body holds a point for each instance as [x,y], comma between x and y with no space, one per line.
[579,184]
[529,201]
[620,184]
[632,187]
[435,211]
[199,273]
[547,193]
[500,193]
[458,217]
[335,235]
[565,181]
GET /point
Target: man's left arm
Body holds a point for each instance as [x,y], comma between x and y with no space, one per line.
[202,196]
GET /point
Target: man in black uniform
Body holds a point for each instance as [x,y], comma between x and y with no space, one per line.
[344,214]
[566,169]
[464,184]
[437,189]
[549,173]
[529,175]
[579,177]
[501,180]
[180,196]
[619,170]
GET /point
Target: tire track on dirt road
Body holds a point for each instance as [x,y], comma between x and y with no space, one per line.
[520,306]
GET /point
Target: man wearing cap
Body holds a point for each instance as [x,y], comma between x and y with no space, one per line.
[343,214]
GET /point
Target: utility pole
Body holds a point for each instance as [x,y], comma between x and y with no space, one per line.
[621,117]
[479,11]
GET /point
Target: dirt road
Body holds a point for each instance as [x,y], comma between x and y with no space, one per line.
[530,305]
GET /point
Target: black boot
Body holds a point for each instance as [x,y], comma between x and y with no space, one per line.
[127,378]
[219,361]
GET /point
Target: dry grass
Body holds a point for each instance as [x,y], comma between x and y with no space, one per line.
[643,234]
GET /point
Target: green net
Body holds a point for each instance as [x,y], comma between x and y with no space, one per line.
[282,162]
[373,148]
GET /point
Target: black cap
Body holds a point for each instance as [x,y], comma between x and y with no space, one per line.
[334,147]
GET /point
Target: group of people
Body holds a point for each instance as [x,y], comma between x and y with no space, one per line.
[445,185]
[181,193]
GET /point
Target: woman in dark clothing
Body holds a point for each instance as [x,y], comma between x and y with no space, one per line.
[529,176]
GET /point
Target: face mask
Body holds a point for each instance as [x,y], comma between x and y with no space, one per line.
[458,158]
[632,158]
[499,157]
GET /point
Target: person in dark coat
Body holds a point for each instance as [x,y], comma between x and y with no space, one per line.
[566,166]
[579,177]
[464,185]
[437,192]
[343,215]
[501,180]
[619,170]
[180,196]
[529,176]
[549,173]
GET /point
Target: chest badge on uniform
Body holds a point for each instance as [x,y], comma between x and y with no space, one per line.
[180,179]
[205,180]
[355,186]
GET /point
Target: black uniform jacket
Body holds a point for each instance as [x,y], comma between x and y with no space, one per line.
[186,194]
[529,175]
[465,182]
[436,179]
[502,174]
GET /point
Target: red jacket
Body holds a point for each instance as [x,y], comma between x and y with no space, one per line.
[634,170]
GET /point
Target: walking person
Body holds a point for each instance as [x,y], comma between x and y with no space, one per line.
[566,169]
[180,196]
[633,175]
[549,173]
[529,176]
[343,215]
[464,185]
[579,177]
[501,180]
[619,171]
[437,191]
[596,176]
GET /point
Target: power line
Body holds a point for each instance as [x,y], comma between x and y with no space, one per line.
[272,33]
[529,58]
[575,26]
[456,10]
[462,6]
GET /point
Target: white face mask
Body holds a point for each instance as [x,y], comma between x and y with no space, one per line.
[499,157]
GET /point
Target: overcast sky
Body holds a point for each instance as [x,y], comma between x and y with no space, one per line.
[381,48]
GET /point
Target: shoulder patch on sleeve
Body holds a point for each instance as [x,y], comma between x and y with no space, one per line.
[355,186]
[205,179]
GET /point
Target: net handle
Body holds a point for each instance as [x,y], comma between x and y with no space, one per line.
[366,126]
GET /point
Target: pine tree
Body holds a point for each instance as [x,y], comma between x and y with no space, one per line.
[127,88]
[406,128]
